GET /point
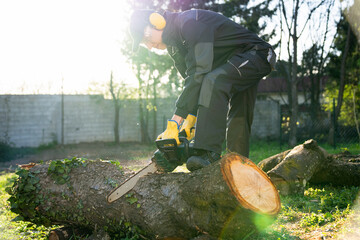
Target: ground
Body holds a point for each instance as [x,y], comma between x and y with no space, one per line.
[323,212]
[128,154]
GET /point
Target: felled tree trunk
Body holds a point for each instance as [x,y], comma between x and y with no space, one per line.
[298,166]
[271,162]
[339,170]
[228,200]
[292,169]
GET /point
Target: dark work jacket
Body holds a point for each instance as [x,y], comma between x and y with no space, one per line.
[200,41]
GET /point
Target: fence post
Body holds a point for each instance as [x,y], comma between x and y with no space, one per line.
[334,123]
[164,123]
[62,118]
[280,130]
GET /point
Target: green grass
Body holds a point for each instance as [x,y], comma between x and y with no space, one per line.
[11,230]
[321,211]
[353,148]
[259,150]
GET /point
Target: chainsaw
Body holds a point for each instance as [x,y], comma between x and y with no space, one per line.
[166,158]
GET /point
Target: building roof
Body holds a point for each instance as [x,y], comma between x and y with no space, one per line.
[279,84]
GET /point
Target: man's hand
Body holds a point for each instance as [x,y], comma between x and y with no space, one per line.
[171,132]
[188,125]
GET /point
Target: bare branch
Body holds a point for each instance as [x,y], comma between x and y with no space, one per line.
[322,58]
[281,29]
[310,14]
[285,16]
[112,86]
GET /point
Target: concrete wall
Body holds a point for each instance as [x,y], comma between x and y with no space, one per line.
[28,120]
[266,123]
[33,120]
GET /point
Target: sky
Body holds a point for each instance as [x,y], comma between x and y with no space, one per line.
[47,44]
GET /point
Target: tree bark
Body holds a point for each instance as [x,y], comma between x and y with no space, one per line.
[270,162]
[342,74]
[294,81]
[115,98]
[116,123]
[155,108]
[339,170]
[341,86]
[292,169]
[297,168]
[226,200]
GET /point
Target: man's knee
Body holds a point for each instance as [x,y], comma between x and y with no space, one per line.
[213,87]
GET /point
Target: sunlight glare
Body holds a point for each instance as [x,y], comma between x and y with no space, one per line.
[45,43]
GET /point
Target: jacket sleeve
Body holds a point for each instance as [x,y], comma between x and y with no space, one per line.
[199,40]
[179,60]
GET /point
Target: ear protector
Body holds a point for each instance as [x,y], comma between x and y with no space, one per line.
[157,21]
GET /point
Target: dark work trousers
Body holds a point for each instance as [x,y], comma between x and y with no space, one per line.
[226,103]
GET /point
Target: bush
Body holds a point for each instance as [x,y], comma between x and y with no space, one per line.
[6,152]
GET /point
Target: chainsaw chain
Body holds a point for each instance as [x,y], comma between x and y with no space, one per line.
[162,164]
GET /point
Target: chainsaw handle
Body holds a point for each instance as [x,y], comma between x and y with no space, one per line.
[170,143]
[170,148]
[166,144]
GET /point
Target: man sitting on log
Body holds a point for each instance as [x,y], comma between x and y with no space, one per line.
[222,63]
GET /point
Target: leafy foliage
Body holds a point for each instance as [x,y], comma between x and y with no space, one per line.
[25,197]
[351,99]
[318,209]
[350,108]
[330,198]
[11,230]
[59,170]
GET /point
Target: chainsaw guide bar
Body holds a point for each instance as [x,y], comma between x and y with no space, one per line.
[130,182]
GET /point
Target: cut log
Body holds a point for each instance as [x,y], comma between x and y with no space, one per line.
[251,187]
[271,162]
[297,168]
[339,170]
[292,169]
[229,199]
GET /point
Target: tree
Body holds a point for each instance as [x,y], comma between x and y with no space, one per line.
[291,27]
[313,63]
[156,76]
[119,92]
[344,81]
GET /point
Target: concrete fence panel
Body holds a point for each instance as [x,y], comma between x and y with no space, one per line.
[34,120]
